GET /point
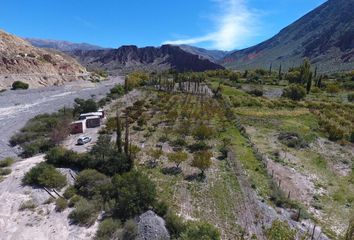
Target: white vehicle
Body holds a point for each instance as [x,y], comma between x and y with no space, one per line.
[83,140]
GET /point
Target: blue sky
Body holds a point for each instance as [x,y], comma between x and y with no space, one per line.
[213,24]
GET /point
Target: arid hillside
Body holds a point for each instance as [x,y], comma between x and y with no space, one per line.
[19,60]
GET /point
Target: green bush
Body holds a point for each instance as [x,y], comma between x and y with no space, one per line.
[45,175]
[294,92]
[69,192]
[7,162]
[85,213]
[198,146]
[108,229]
[19,85]
[73,200]
[27,205]
[42,132]
[200,230]
[85,106]
[90,183]
[351,97]
[203,132]
[256,92]
[130,230]
[5,171]
[174,224]
[280,231]
[133,194]
[61,204]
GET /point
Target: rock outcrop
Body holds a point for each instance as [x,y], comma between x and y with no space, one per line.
[151,227]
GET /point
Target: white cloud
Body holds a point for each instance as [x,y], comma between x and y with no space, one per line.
[233,26]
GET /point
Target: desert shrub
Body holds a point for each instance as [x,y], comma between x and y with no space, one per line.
[174,224]
[74,200]
[44,175]
[43,131]
[19,85]
[200,230]
[69,192]
[294,92]
[203,132]
[34,147]
[61,157]
[85,106]
[351,97]
[85,213]
[351,138]
[27,205]
[280,231]
[90,183]
[5,171]
[335,133]
[130,230]
[7,162]
[133,194]
[108,229]
[179,142]
[198,146]
[292,140]
[332,88]
[61,204]
[160,208]
[349,235]
[256,92]
[116,92]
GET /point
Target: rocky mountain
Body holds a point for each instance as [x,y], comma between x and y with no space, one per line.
[19,60]
[211,55]
[63,46]
[325,36]
[131,58]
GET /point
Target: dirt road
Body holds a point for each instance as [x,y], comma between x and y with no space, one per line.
[17,107]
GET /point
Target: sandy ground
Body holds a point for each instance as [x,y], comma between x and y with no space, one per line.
[42,223]
[17,107]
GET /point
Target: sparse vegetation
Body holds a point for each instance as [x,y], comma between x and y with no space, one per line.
[44,175]
[19,85]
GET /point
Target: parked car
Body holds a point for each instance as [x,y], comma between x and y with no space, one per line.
[83,140]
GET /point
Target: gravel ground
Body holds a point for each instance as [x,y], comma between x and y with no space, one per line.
[17,107]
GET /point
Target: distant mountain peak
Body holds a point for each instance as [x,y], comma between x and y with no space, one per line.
[64,46]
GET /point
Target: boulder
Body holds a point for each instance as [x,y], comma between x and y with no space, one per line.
[152,227]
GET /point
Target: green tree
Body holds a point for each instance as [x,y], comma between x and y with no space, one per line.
[202,161]
[133,193]
[177,157]
[332,88]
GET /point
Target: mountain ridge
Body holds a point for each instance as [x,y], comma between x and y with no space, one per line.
[130,58]
[324,35]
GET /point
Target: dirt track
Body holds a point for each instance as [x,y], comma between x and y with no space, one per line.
[17,107]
